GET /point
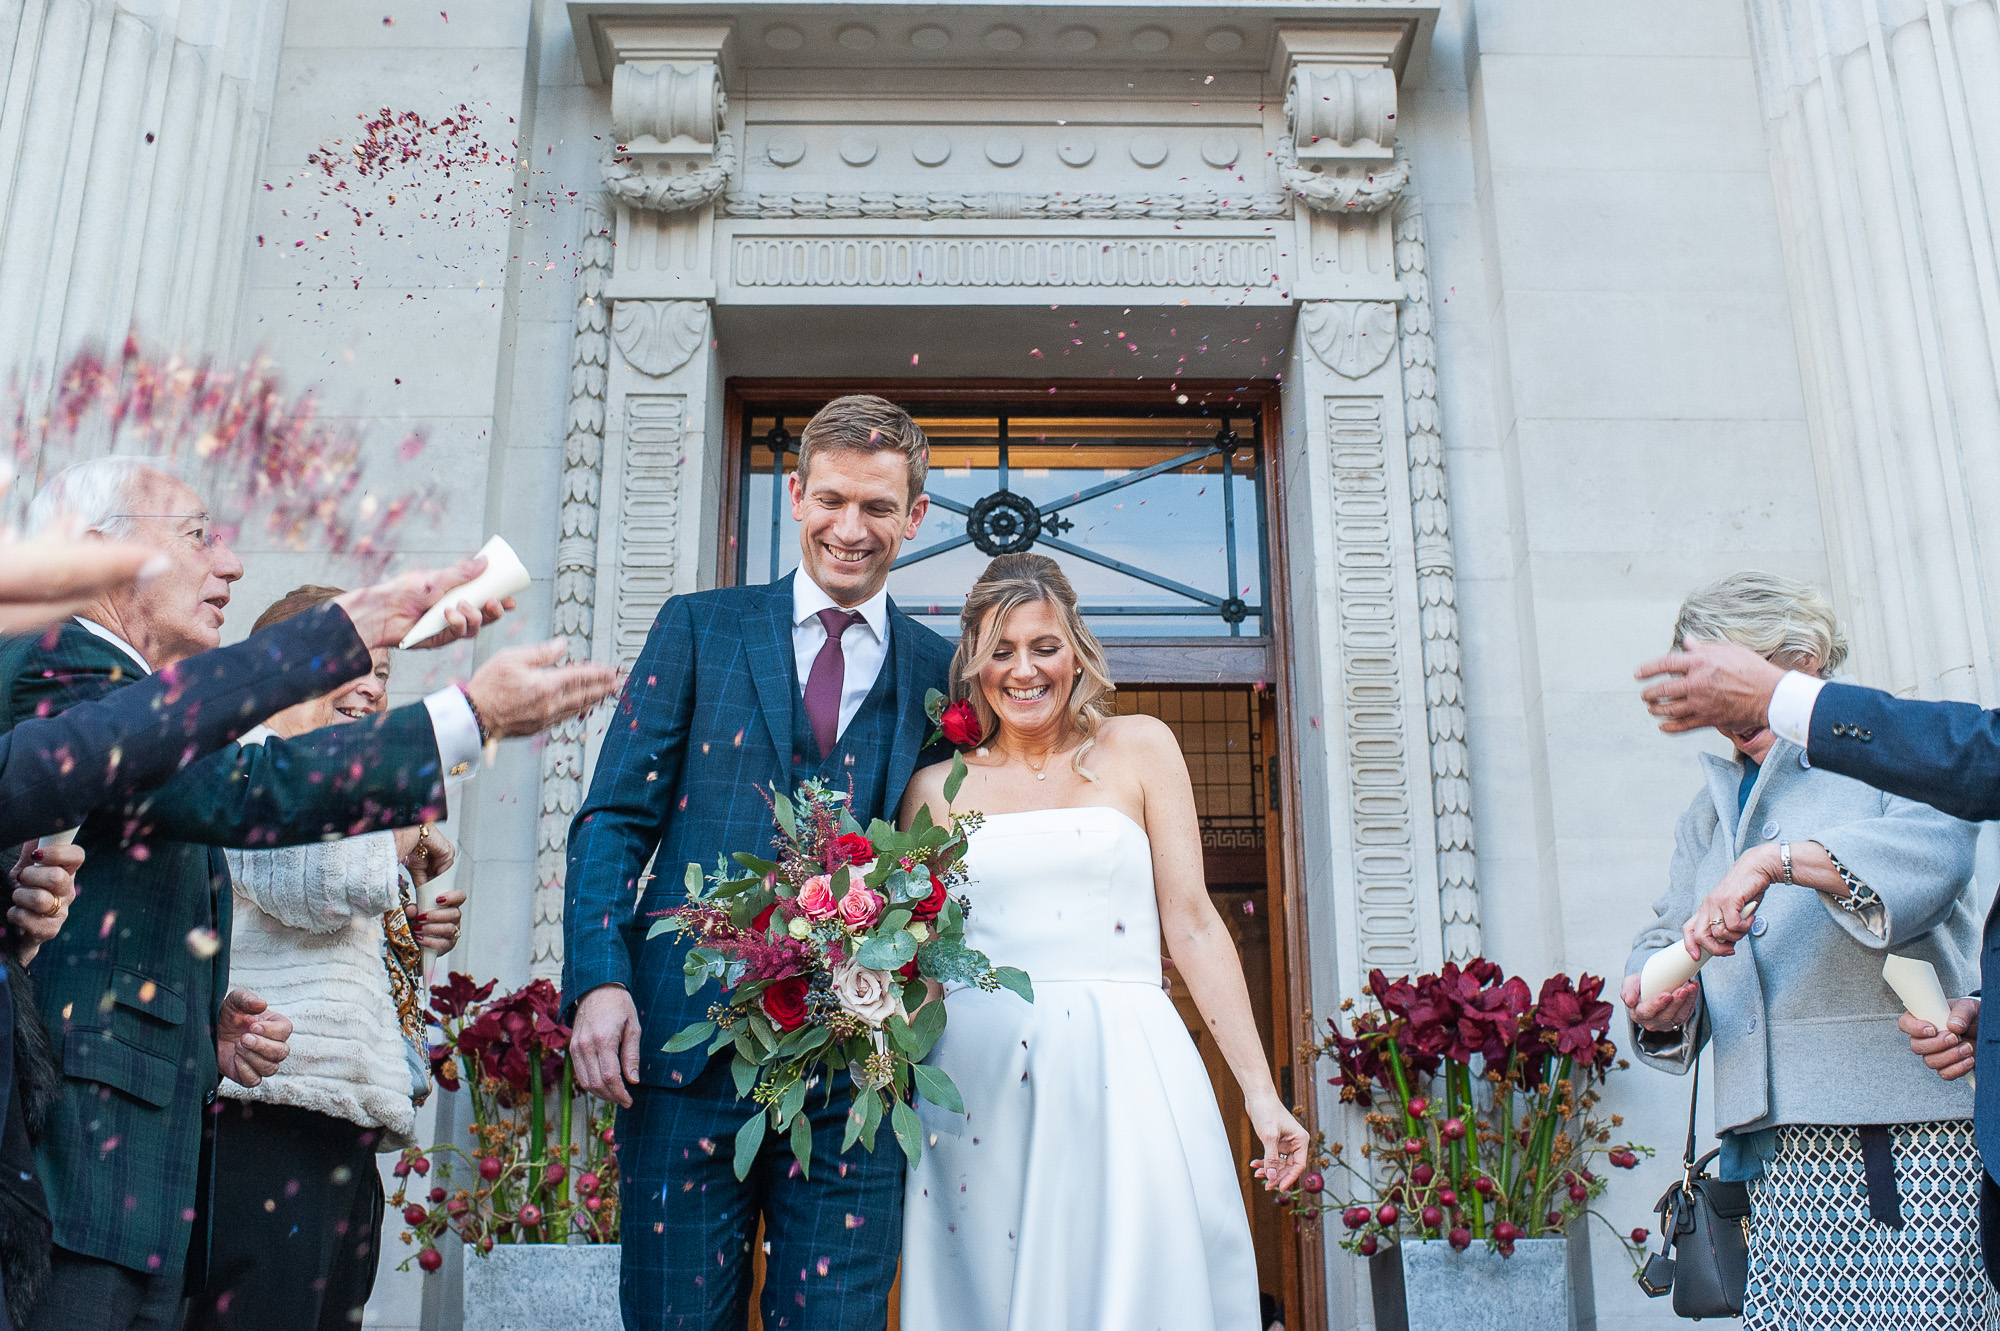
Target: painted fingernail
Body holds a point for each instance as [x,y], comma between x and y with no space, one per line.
[154,567]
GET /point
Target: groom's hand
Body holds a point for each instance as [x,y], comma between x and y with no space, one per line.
[604,1043]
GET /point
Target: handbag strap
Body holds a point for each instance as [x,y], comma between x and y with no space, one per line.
[1694,1100]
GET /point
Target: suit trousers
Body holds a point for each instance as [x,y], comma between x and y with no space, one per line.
[295,1221]
[832,1240]
[91,1294]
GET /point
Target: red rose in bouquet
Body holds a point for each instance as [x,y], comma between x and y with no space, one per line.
[785,1002]
[848,848]
[929,908]
[960,725]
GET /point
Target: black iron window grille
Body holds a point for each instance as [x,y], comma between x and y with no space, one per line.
[1159,520]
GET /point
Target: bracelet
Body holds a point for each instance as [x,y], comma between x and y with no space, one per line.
[485,734]
[1785,859]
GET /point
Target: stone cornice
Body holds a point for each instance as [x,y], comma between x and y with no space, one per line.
[979,34]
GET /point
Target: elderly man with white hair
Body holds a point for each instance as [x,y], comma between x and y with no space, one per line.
[140,1005]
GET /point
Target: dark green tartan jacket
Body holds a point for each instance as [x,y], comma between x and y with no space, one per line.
[125,990]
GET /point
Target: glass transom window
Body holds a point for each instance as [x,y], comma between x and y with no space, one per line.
[1158,520]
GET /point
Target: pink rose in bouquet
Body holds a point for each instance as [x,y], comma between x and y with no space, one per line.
[860,907]
[816,901]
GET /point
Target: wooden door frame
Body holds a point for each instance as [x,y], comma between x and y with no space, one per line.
[1262,396]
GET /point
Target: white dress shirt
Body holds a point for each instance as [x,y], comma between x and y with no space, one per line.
[457,734]
[864,647]
[1790,713]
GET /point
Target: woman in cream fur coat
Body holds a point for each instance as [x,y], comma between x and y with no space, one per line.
[328,934]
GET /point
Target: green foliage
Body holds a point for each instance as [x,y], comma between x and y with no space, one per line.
[1015,980]
[909,1130]
[749,1138]
[690,1037]
[937,1088]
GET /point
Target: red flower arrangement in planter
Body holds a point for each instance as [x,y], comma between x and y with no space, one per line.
[539,1170]
[1480,1100]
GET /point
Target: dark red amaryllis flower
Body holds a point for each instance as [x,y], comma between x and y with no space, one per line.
[1395,996]
[451,999]
[848,848]
[1576,1016]
[1496,1012]
[1360,1059]
[444,1065]
[511,1031]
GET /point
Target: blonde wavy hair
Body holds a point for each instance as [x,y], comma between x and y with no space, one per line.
[1010,582]
[1774,616]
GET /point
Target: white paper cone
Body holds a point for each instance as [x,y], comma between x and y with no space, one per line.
[1916,983]
[58,838]
[1667,970]
[505,575]
[427,893]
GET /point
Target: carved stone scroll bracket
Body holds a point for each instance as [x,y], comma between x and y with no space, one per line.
[1339,149]
[1350,337]
[575,579]
[667,109]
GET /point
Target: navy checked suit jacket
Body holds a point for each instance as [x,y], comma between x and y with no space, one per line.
[1947,755]
[55,769]
[702,732]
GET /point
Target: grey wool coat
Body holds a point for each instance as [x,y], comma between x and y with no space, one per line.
[1803,1025]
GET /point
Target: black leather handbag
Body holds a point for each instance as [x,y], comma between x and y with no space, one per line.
[1705,1226]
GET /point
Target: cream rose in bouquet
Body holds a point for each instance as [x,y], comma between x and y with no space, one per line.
[822,958]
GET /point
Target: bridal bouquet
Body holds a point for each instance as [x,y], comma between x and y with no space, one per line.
[822,959]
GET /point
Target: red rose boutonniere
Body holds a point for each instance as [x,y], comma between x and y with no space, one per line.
[956,722]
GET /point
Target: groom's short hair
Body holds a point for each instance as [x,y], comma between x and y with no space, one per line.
[864,423]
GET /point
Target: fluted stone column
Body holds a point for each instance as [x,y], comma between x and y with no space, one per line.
[1884,126]
[129,143]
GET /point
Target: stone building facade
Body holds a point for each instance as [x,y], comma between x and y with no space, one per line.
[1540,314]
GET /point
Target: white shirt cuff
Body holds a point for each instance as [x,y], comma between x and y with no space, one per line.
[1790,715]
[457,733]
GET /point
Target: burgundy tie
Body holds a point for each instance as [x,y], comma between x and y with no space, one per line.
[828,679]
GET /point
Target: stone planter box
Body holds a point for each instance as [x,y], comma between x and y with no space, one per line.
[1423,1285]
[543,1287]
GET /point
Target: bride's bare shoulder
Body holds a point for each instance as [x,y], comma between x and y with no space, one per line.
[1137,737]
[1136,730]
[927,785]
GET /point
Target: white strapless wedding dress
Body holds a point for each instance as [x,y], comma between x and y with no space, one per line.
[1089,1184]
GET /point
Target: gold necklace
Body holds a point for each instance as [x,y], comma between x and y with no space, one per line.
[1040,775]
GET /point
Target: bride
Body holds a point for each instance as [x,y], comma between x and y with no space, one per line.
[1090,1185]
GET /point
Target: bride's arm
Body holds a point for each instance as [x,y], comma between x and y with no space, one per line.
[1200,944]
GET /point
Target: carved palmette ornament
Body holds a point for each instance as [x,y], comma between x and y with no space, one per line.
[1351,337]
[657,337]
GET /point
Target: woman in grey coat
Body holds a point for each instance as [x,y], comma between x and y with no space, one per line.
[1796,883]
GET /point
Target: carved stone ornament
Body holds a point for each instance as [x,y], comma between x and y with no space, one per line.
[672,155]
[657,337]
[1330,160]
[1053,206]
[1351,337]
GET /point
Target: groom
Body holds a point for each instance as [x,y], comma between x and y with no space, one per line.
[740,689]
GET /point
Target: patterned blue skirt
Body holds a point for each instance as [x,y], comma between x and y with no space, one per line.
[1818,1260]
